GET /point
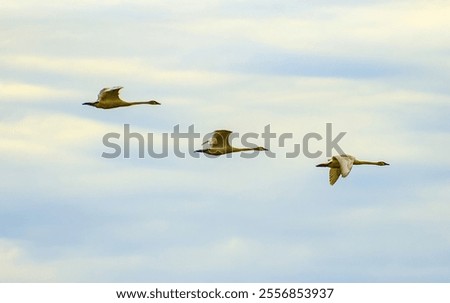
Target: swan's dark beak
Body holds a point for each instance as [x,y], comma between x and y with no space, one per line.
[386,163]
[153,102]
[321,165]
[88,103]
[198,151]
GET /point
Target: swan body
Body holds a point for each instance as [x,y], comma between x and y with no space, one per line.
[341,165]
[219,145]
[109,98]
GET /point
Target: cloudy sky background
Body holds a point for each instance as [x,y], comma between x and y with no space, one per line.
[374,69]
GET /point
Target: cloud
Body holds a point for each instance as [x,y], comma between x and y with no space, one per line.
[113,66]
[17,266]
[26,92]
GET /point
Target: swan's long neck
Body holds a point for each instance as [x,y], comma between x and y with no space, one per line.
[137,102]
[358,162]
[237,149]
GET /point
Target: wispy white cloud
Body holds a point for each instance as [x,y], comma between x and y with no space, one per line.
[26,92]
[111,67]
[17,266]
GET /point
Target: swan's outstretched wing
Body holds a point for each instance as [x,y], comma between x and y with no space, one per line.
[345,163]
[111,93]
[220,139]
[334,175]
[211,142]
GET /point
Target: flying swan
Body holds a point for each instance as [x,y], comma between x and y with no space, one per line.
[219,145]
[109,98]
[342,165]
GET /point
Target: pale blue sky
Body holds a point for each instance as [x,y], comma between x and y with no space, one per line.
[375,69]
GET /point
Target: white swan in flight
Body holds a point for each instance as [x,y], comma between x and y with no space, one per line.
[219,144]
[109,98]
[342,165]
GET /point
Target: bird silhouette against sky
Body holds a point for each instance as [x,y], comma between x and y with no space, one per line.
[109,98]
[341,165]
[219,144]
